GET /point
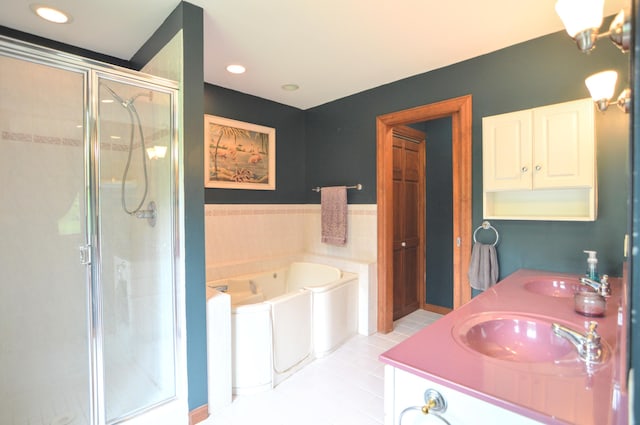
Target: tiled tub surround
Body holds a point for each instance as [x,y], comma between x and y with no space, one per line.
[243,239]
[543,391]
[237,233]
[367,281]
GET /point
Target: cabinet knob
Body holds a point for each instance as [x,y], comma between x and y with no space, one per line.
[403,244]
[538,167]
[434,402]
[435,405]
[525,169]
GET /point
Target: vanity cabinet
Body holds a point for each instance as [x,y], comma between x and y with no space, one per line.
[540,164]
[405,392]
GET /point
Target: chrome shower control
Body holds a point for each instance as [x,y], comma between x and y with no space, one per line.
[151,213]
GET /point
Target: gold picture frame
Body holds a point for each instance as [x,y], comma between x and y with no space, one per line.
[238,155]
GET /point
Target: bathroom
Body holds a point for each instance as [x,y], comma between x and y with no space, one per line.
[538,72]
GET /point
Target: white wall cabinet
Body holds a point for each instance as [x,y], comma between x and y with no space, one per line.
[540,164]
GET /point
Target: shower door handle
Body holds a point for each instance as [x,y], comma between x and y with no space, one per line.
[85,254]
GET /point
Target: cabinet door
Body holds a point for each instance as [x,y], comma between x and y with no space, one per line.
[404,398]
[506,151]
[564,145]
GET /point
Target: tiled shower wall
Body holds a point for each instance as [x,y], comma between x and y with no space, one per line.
[241,233]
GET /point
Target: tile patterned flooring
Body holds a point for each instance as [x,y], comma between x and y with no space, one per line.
[343,388]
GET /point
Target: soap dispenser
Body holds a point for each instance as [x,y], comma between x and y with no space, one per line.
[592,266]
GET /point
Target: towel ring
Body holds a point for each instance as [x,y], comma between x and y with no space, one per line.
[486,226]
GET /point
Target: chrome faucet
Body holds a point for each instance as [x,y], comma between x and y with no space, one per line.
[588,345]
[601,287]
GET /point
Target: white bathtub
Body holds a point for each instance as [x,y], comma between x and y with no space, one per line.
[282,319]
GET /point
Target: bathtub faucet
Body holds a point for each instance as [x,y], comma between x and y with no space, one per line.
[220,288]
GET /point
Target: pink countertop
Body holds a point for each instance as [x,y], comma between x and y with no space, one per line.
[544,391]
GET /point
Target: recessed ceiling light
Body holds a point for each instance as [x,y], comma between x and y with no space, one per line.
[115,137]
[50,14]
[106,101]
[236,69]
[290,87]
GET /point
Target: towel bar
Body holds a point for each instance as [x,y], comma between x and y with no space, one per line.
[357,187]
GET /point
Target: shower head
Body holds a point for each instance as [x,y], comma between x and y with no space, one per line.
[115,96]
[127,103]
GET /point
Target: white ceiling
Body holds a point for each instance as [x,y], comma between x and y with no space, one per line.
[330,48]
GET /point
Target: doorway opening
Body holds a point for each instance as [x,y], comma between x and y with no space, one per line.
[459,109]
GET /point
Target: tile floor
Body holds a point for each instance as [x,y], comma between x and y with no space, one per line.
[343,388]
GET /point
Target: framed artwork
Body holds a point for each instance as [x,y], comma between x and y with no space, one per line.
[238,155]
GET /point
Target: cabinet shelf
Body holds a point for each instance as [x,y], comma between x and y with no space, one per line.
[553,204]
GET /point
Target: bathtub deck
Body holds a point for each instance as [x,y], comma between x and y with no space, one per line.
[348,384]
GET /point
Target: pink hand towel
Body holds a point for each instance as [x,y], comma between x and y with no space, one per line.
[333,201]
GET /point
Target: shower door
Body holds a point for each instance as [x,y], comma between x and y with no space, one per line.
[135,234]
[89,227]
[45,367]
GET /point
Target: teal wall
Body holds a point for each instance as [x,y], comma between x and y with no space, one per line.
[439,212]
[193,136]
[189,19]
[542,71]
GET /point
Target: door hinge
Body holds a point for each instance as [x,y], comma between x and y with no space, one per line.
[85,254]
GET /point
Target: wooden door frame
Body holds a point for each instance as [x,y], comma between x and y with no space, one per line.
[459,109]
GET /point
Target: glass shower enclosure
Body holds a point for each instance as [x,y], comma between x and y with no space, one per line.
[89,273]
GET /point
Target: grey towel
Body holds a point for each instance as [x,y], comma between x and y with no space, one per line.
[483,268]
[333,210]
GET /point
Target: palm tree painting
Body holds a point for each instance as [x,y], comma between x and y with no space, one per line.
[238,155]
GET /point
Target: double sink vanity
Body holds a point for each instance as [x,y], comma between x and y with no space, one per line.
[518,353]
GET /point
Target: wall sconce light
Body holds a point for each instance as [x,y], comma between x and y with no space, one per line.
[156,152]
[624,100]
[602,85]
[583,18]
